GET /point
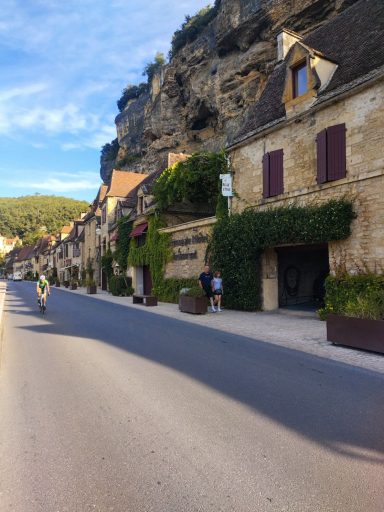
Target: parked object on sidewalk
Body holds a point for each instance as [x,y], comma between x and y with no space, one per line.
[360,333]
[91,287]
[73,285]
[57,284]
[192,300]
[146,300]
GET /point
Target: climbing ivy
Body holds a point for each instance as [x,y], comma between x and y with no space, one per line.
[155,253]
[238,241]
[122,246]
[195,180]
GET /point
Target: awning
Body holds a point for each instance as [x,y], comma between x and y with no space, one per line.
[138,230]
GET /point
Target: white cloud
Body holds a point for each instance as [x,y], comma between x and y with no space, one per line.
[60,182]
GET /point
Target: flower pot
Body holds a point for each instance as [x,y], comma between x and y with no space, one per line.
[356,332]
[92,289]
[57,284]
[194,305]
[74,286]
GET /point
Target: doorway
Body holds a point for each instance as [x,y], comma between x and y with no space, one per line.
[301,276]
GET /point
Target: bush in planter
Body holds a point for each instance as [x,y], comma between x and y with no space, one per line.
[66,284]
[57,283]
[359,296]
[193,300]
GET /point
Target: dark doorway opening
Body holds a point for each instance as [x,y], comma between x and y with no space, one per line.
[301,276]
[147,280]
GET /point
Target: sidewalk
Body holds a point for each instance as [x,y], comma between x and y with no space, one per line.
[3,288]
[294,330]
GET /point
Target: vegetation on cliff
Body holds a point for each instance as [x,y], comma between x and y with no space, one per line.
[30,217]
[192,27]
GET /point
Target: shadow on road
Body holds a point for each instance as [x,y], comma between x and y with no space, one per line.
[333,404]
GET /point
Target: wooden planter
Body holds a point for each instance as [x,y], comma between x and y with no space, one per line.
[194,305]
[57,284]
[356,332]
[73,286]
[92,289]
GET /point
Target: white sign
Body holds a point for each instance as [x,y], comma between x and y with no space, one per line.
[226,185]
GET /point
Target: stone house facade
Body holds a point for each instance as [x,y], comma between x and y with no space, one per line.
[317,134]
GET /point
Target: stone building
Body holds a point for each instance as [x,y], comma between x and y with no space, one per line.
[317,133]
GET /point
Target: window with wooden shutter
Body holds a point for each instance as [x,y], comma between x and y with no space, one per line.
[273,179]
[336,149]
[331,153]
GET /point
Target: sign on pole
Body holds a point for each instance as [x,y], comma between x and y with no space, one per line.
[226,185]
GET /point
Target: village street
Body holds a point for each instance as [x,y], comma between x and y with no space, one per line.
[110,408]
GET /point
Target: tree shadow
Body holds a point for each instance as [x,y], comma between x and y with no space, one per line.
[334,404]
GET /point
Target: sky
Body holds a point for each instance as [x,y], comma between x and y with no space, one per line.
[63,66]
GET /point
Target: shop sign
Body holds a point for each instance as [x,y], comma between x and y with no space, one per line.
[226,185]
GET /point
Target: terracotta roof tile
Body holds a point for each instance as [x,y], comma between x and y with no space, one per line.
[122,182]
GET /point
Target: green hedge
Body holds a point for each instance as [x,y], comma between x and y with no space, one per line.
[359,296]
[238,242]
[168,290]
[120,286]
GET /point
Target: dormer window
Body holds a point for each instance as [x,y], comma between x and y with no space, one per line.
[141,204]
[299,79]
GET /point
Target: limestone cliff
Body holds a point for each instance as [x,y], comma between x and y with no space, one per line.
[201,97]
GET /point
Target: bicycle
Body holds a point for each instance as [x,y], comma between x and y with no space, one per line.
[42,305]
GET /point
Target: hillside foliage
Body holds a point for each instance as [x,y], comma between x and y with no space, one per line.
[30,217]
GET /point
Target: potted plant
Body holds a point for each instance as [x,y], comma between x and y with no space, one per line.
[90,282]
[91,286]
[74,284]
[57,284]
[354,311]
[66,284]
[192,300]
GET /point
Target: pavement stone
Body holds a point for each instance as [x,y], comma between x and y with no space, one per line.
[293,330]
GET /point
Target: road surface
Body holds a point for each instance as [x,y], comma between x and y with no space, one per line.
[106,408]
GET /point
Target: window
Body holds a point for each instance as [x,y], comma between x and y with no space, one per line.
[104,215]
[273,183]
[141,204]
[299,79]
[331,154]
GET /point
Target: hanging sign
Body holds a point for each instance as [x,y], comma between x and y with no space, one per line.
[226,185]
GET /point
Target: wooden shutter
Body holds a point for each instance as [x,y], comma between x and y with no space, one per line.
[321,141]
[336,152]
[266,187]
[276,172]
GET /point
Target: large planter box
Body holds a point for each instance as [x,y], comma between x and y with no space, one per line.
[73,287]
[194,305]
[92,289]
[356,332]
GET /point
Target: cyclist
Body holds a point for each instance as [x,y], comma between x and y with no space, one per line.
[42,287]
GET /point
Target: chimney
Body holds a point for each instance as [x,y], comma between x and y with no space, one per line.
[285,40]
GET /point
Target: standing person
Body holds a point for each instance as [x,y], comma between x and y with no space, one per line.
[205,282]
[217,289]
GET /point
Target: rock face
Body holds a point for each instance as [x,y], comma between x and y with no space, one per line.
[200,99]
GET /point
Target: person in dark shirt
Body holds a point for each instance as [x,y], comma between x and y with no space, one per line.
[205,282]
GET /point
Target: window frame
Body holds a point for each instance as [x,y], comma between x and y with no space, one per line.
[295,82]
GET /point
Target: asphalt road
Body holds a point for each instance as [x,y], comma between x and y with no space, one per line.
[106,408]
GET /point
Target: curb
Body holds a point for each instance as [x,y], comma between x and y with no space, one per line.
[3,289]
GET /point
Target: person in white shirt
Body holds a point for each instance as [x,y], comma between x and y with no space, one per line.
[217,289]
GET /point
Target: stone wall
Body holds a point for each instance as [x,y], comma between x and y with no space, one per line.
[189,245]
[363,114]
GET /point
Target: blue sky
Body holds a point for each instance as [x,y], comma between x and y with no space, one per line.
[63,66]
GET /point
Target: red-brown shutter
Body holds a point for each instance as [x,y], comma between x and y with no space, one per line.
[321,141]
[336,149]
[276,172]
[266,187]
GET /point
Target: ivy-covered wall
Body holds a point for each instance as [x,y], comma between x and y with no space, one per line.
[238,241]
